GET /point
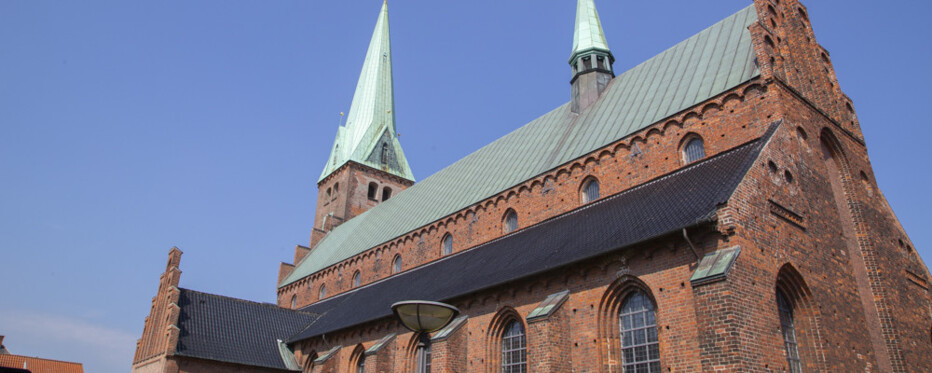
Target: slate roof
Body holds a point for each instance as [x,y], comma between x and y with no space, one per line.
[681,199]
[233,330]
[708,63]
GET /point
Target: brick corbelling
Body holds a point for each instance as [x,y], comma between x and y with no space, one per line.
[725,121]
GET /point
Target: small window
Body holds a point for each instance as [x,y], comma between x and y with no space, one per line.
[356,279]
[447,244]
[386,193]
[514,349]
[789,333]
[589,191]
[694,150]
[396,264]
[384,156]
[294,301]
[329,193]
[510,221]
[336,189]
[323,292]
[373,190]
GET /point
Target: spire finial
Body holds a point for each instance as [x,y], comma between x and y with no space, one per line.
[588,35]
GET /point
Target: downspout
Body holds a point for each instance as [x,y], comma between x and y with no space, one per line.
[691,246]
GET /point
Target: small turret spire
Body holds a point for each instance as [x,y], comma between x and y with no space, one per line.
[590,55]
[369,136]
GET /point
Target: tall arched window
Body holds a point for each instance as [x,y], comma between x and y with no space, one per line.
[386,193]
[356,279]
[510,221]
[787,325]
[294,301]
[422,355]
[361,364]
[373,190]
[589,191]
[640,349]
[322,293]
[447,245]
[514,349]
[396,264]
[694,149]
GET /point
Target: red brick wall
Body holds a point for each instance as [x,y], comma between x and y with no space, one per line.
[160,331]
[784,216]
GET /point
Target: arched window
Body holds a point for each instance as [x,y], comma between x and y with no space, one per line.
[447,244]
[336,189]
[322,293]
[361,364]
[329,193]
[514,349]
[396,264]
[386,193]
[294,301]
[356,279]
[373,190]
[422,355]
[589,191]
[788,327]
[640,349]
[693,150]
[510,221]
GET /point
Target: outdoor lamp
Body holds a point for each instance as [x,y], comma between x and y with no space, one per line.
[421,316]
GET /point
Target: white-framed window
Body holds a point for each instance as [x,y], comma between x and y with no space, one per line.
[640,348]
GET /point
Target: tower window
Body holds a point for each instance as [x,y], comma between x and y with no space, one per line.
[789,333]
[447,244]
[510,221]
[396,264]
[694,150]
[640,349]
[589,191]
[373,190]
[336,189]
[514,349]
[383,158]
[386,193]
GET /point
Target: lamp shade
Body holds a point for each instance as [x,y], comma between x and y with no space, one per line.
[423,316]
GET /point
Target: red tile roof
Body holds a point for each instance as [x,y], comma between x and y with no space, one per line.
[39,365]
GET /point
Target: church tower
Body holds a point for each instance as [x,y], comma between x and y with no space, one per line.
[591,59]
[366,164]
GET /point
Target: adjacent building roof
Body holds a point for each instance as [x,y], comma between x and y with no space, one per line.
[703,66]
[369,136]
[665,205]
[39,365]
[236,331]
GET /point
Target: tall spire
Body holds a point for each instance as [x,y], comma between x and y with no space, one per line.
[369,136]
[591,59]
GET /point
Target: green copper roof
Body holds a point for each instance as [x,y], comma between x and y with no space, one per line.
[708,63]
[588,34]
[369,136]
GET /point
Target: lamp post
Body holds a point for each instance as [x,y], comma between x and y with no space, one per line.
[424,317]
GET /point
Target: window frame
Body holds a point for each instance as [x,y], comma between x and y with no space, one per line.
[510,221]
[585,191]
[647,313]
[446,245]
[685,151]
[397,264]
[514,331]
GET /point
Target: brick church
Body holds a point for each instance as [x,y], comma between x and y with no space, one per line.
[711,209]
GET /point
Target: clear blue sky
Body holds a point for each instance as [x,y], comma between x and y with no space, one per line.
[131,127]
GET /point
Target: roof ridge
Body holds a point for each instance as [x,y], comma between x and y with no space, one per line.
[264,304]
